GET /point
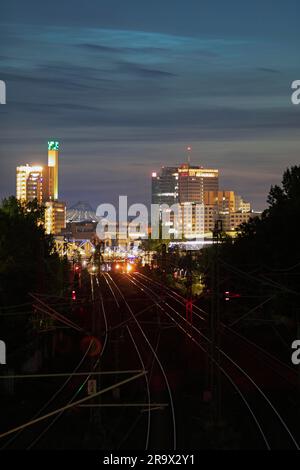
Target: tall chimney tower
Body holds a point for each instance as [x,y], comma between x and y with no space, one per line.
[53,147]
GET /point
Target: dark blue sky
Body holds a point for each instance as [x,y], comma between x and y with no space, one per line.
[127,85]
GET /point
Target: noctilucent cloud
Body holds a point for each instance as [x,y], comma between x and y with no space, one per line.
[126,86]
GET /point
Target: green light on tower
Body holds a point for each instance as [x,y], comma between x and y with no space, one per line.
[53,145]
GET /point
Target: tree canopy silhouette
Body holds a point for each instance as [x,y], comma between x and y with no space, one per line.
[264,259]
[28,260]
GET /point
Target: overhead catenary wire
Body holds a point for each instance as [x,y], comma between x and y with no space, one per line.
[158,361]
[53,396]
[256,420]
[181,300]
[34,442]
[243,372]
[71,405]
[142,363]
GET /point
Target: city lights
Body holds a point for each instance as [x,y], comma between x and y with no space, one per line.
[129,268]
[35,182]
[149,257]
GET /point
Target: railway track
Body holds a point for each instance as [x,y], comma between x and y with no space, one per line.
[273,428]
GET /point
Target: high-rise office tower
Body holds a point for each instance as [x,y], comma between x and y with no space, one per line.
[29,183]
[35,182]
[55,216]
[165,186]
[194,181]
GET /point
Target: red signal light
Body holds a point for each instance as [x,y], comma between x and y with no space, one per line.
[231,295]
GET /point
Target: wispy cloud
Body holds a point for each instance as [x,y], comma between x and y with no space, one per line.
[127,99]
[267,70]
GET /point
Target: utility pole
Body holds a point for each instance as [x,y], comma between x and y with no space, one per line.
[164,278]
[164,263]
[215,376]
[189,289]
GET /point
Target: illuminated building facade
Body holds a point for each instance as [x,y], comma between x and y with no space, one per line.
[199,221]
[241,205]
[233,220]
[225,201]
[194,181]
[198,188]
[55,217]
[29,183]
[165,186]
[183,184]
[41,183]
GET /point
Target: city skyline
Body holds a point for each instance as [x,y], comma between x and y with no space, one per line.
[127,89]
[183,182]
[149,269]
[185,199]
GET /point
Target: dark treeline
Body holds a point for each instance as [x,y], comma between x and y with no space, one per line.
[264,259]
[28,264]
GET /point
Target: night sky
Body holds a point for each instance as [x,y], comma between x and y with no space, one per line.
[126,85]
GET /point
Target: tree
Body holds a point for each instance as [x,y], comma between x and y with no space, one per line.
[28,261]
[265,257]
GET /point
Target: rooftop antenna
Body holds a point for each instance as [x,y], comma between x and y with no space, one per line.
[189,149]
